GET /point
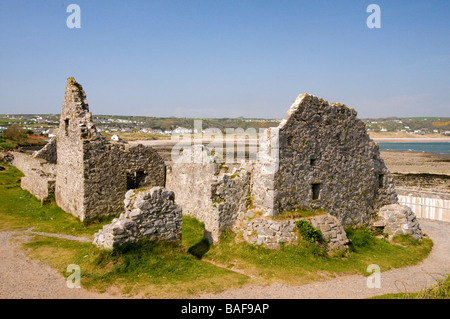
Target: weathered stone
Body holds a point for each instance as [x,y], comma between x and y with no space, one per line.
[397,220]
[161,220]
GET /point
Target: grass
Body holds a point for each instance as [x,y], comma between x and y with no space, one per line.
[299,213]
[144,269]
[306,262]
[167,270]
[439,290]
[20,210]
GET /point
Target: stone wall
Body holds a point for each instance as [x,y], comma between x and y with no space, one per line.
[144,166]
[327,160]
[75,127]
[230,194]
[39,177]
[192,182]
[104,179]
[270,232]
[149,213]
[110,169]
[214,194]
[332,231]
[48,152]
[398,220]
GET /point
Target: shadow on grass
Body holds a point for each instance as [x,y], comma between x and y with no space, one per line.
[199,249]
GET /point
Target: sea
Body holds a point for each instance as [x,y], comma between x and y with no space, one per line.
[427,147]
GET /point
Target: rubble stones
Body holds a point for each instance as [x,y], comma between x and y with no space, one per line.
[149,213]
[270,233]
[398,220]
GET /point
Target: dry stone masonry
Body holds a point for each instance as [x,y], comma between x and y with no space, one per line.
[327,160]
[398,220]
[39,177]
[270,233]
[149,213]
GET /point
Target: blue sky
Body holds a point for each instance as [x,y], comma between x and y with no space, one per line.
[217,58]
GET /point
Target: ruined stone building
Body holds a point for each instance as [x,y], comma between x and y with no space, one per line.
[324,159]
[320,156]
[88,175]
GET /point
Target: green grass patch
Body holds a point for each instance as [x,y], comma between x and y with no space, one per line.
[146,268]
[299,213]
[21,210]
[439,290]
[307,261]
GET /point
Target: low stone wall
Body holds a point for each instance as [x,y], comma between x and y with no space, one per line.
[39,177]
[398,220]
[332,231]
[270,233]
[149,213]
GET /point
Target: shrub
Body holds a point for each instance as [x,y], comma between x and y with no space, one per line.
[440,290]
[308,232]
[6,146]
[15,133]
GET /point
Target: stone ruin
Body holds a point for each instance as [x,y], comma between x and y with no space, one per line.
[149,213]
[320,156]
[88,175]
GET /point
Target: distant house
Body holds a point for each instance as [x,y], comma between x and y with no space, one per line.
[182,130]
[115,138]
[52,132]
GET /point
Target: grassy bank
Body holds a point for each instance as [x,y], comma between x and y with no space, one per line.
[306,262]
[149,269]
[439,290]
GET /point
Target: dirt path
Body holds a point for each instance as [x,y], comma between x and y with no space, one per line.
[21,277]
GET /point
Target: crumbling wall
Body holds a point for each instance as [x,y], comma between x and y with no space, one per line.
[230,195]
[39,177]
[192,182]
[75,127]
[271,233]
[111,169]
[144,166]
[149,213]
[327,160]
[48,152]
[104,179]
[398,219]
[208,192]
